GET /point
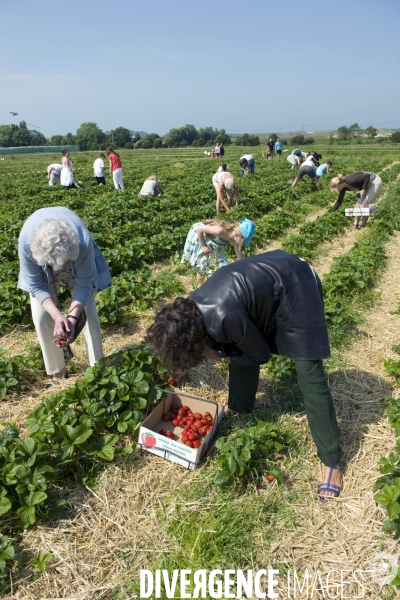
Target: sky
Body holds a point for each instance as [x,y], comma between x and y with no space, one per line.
[150,65]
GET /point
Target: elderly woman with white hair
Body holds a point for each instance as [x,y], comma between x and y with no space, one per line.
[224,181]
[54,245]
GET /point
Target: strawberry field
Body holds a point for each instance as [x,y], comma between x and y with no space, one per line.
[82,510]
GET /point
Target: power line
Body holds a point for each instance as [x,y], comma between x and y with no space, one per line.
[298,127]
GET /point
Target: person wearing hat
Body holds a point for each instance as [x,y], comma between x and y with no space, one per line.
[265,304]
[225,182]
[247,164]
[207,240]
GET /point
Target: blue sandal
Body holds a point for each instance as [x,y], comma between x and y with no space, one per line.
[327,486]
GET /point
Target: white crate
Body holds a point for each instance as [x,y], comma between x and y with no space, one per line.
[360,212]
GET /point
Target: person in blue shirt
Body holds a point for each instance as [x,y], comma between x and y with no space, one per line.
[324,169]
[54,245]
[278,147]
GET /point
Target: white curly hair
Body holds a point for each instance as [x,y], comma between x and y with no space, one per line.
[54,243]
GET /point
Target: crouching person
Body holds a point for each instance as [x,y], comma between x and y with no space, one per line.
[266,304]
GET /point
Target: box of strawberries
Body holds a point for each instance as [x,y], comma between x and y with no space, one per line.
[180,428]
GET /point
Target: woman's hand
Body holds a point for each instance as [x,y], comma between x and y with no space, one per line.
[64,330]
[205,249]
[362,193]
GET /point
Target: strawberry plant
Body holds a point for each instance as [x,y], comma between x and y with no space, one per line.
[7,552]
[40,561]
[9,374]
[248,453]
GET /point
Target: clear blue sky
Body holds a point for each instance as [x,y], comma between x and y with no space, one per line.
[151,65]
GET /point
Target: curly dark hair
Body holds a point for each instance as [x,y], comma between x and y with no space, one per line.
[178,334]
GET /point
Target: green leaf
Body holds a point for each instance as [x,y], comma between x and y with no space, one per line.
[107,453]
[277,473]
[393,510]
[222,477]
[36,498]
[5,505]
[8,553]
[28,445]
[382,498]
[245,454]
[27,515]
[231,464]
[76,435]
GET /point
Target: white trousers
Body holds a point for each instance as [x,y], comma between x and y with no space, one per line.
[52,355]
[117,178]
[54,178]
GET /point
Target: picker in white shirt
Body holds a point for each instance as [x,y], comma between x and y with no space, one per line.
[53,174]
[98,168]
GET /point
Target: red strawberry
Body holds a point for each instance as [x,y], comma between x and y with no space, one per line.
[171,381]
[170,435]
[148,440]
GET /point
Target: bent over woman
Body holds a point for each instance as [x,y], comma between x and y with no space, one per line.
[266,304]
[206,243]
[368,185]
[54,245]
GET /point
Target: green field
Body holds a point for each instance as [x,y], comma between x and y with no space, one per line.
[99,516]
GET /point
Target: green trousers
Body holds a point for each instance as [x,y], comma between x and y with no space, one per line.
[243,384]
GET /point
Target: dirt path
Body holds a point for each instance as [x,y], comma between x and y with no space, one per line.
[345,533]
[396,162]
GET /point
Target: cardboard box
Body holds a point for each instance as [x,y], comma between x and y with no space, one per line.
[360,212]
[174,450]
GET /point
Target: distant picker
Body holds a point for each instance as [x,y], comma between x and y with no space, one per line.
[366,185]
[225,183]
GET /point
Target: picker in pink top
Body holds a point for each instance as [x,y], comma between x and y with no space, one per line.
[115,169]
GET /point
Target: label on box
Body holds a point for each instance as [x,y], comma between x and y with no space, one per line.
[151,440]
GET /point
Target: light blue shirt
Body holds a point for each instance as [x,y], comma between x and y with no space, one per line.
[89,270]
[278,145]
[322,169]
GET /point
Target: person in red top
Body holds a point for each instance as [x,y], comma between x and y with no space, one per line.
[115,169]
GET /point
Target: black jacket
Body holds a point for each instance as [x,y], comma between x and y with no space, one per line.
[268,303]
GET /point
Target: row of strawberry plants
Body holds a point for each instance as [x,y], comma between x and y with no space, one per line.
[72,435]
[125,246]
[353,275]
[312,235]
[387,487]
[133,232]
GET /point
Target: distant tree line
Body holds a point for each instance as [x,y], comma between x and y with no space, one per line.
[20,135]
[89,136]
